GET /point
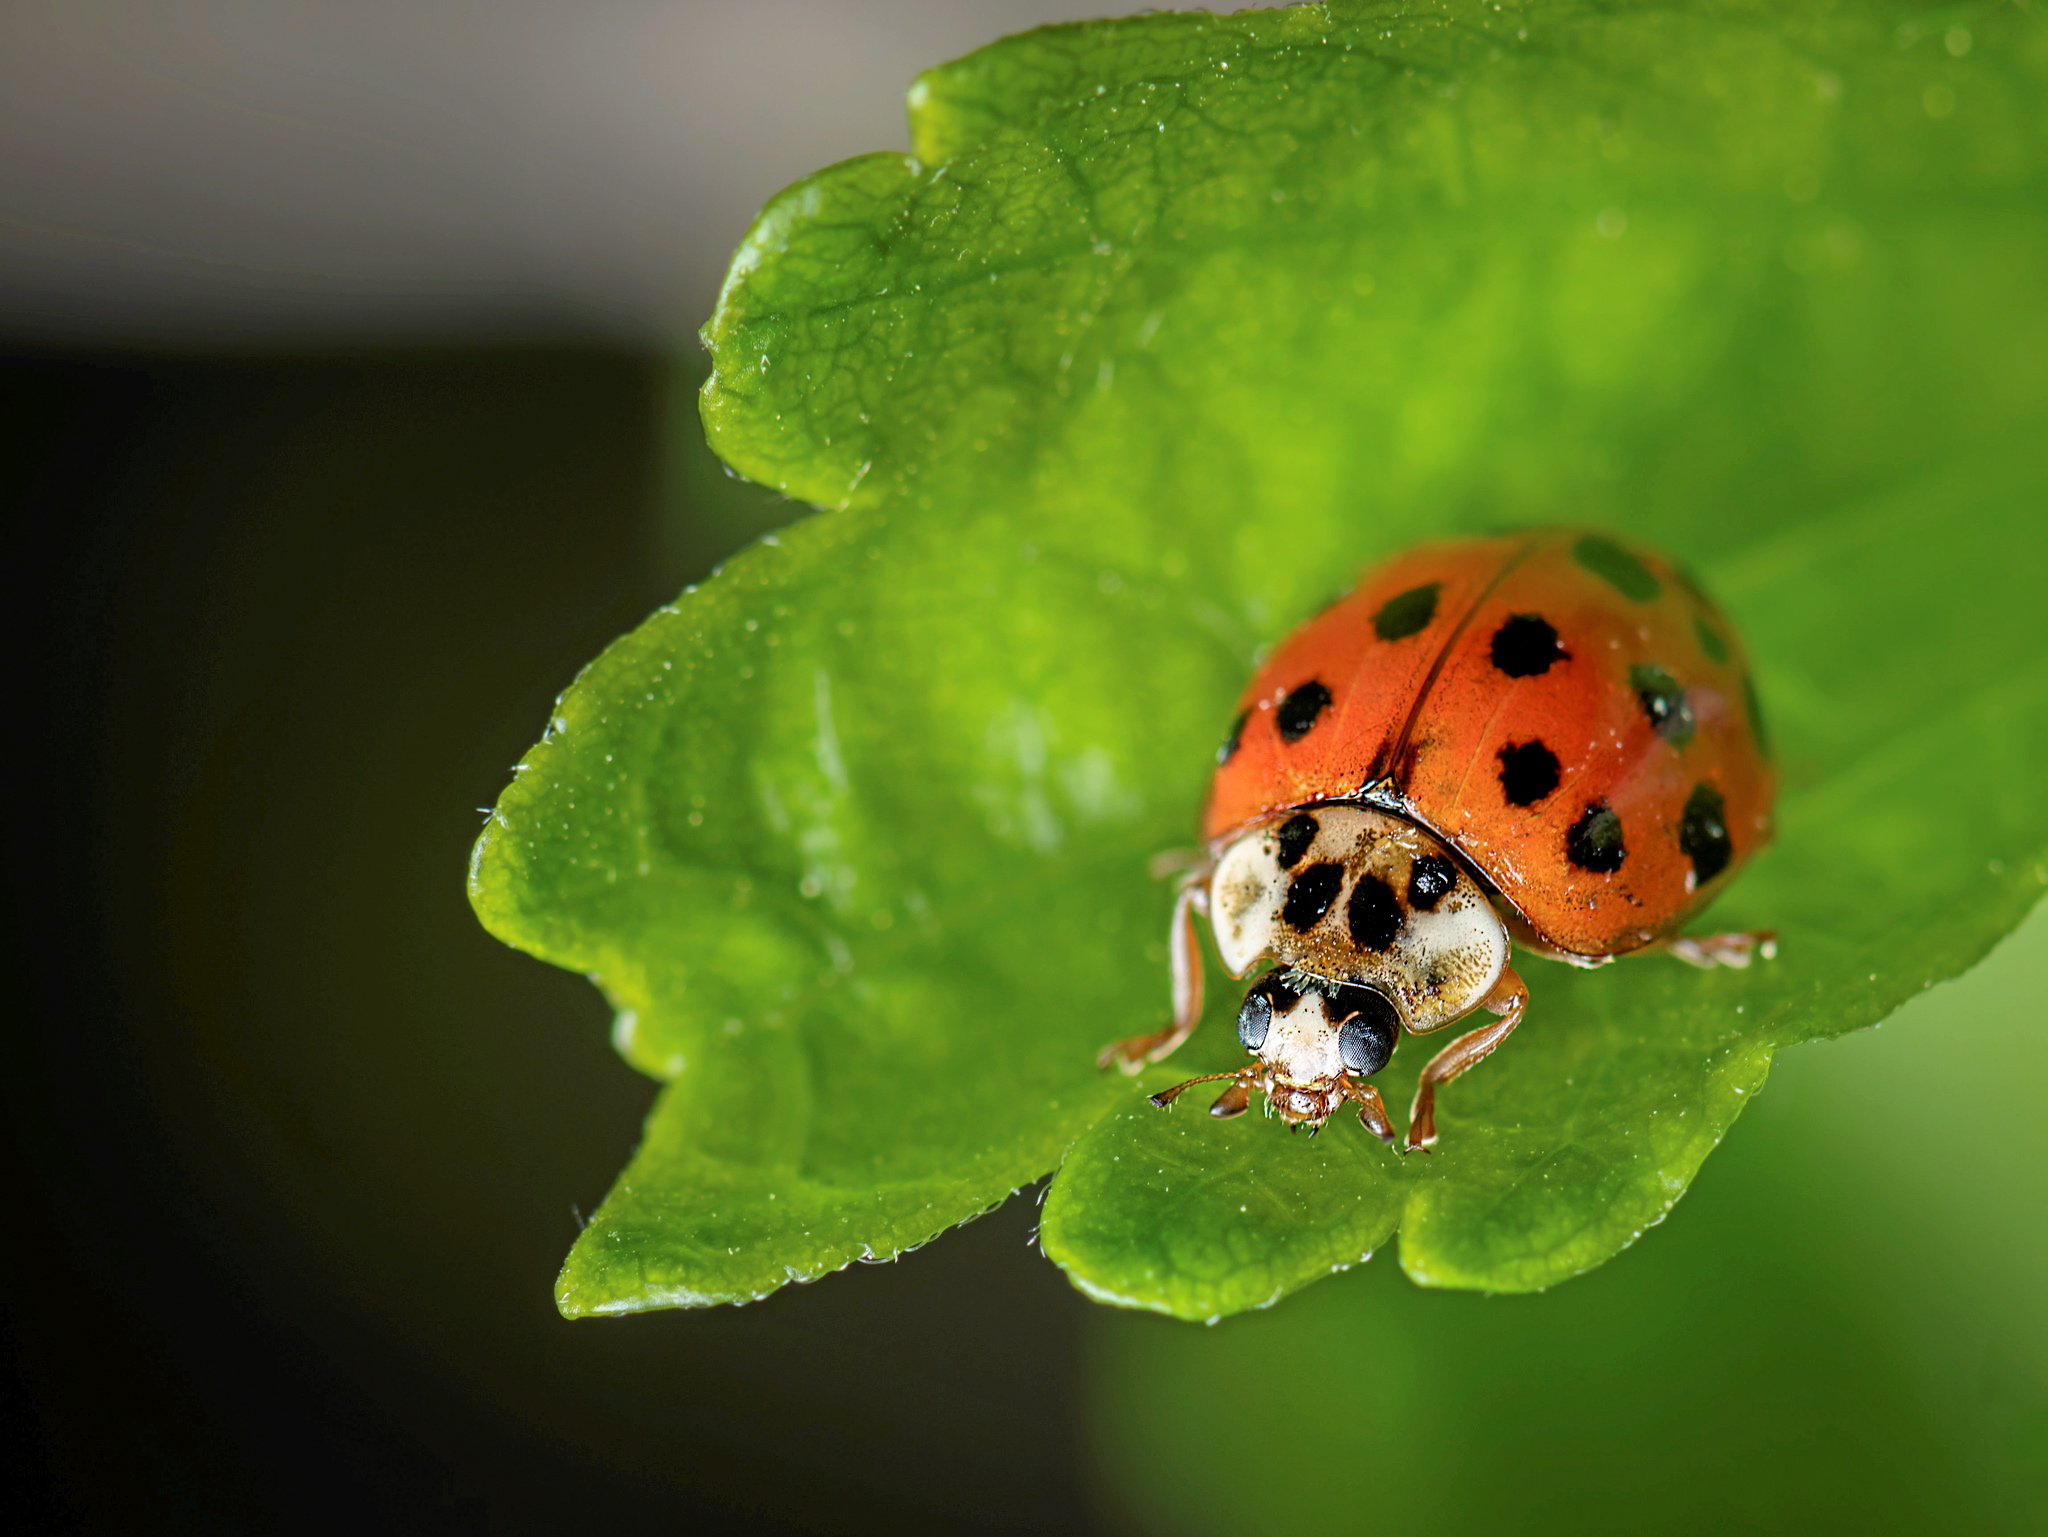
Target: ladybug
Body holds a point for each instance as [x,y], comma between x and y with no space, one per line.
[1546,739]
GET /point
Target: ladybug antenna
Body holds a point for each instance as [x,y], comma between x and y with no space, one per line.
[1231,1102]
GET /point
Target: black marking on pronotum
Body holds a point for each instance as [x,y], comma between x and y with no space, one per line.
[1525,646]
[1278,993]
[1299,711]
[1528,772]
[1664,702]
[1430,879]
[1594,842]
[1311,895]
[1374,913]
[1295,835]
[1407,613]
[1703,833]
[1710,641]
[1617,567]
[1365,1041]
[1254,1019]
[1229,748]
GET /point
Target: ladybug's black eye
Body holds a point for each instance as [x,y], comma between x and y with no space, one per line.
[1366,1043]
[1254,1020]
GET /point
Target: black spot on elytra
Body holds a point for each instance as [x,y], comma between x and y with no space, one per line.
[1756,715]
[1300,710]
[1407,613]
[1594,842]
[1664,702]
[1617,567]
[1703,833]
[1710,641]
[1295,835]
[1430,879]
[1374,913]
[1311,895]
[1365,1041]
[1525,646]
[1254,1019]
[1229,748]
[1528,772]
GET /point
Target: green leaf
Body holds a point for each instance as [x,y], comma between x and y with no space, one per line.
[1169,326]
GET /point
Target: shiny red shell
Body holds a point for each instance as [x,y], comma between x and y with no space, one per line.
[1568,712]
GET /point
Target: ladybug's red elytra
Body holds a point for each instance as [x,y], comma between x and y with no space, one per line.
[1546,739]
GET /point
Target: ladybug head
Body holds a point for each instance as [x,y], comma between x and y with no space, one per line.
[1311,1039]
[1313,1046]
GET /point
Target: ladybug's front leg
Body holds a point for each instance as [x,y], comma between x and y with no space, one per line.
[1372,1110]
[1186,958]
[1508,998]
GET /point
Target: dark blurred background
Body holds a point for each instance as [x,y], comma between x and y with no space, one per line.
[340,346]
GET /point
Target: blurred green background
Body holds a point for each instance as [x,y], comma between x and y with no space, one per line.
[300,1147]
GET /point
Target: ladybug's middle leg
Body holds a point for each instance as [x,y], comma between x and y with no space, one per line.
[1186,956]
[1707,951]
[1508,998]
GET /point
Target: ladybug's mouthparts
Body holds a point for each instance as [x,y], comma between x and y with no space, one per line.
[1295,1105]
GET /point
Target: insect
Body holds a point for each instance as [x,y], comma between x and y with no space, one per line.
[1546,739]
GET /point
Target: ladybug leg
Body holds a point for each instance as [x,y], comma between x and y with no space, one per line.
[1508,998]
[1372,1110]
[1233,1101]
[1707,951]
[1170,862]
[1186,956]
